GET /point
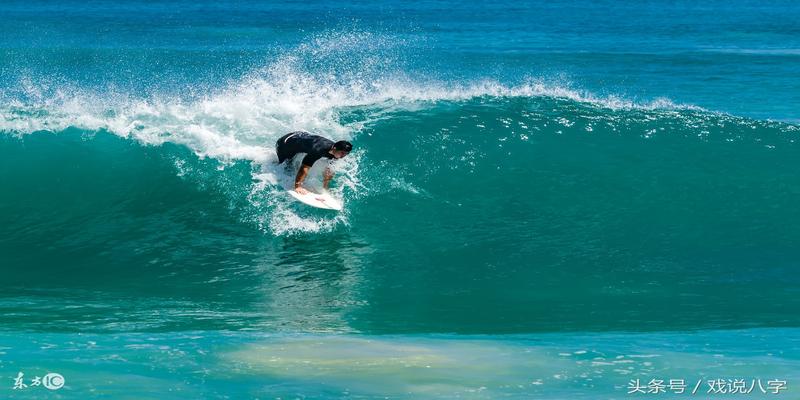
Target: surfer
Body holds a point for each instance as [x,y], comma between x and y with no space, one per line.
[315,148]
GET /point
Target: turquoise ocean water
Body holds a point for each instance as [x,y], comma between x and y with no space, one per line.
[547,199]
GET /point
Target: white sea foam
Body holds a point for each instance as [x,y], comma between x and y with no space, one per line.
[243,119]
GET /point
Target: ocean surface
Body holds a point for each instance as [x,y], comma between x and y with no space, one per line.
[546,199]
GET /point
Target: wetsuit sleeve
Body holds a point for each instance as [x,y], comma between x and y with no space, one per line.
[310,159]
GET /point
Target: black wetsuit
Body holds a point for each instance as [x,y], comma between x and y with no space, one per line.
[314,146]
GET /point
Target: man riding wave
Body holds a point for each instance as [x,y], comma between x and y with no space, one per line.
[315,147]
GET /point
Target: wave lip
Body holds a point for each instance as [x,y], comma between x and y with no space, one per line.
[235,123]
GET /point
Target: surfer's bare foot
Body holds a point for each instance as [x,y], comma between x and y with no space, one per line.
[301,190]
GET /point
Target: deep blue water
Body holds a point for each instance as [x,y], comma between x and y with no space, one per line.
[738,57]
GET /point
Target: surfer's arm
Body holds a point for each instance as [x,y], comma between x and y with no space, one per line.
[301,176]
[326,177]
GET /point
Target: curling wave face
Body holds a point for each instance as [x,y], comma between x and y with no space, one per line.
[454,183]
[525,187]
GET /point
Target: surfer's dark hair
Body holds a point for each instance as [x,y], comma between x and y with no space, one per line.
[343,145]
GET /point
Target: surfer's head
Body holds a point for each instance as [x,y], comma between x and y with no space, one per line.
[341,148]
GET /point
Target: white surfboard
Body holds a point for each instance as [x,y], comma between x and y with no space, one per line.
[317,196]
[323,200]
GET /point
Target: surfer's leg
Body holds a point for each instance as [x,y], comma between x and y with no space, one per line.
[284,154]
[283,149]
[286,151]
[287,146]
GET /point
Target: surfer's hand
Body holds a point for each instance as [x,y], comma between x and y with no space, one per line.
[301,190]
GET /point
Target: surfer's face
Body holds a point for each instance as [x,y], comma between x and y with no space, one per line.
[340,153]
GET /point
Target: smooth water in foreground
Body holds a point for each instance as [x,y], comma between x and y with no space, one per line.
[220,364]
